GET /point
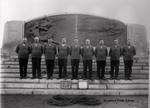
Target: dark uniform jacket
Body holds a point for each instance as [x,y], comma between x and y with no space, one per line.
[50,51]
[36,50]
[23,50]
[115,52]
[63,52]
[75,52]
[87,52]
[101,53]
[129,52]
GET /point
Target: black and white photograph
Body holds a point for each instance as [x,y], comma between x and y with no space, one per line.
[74,53]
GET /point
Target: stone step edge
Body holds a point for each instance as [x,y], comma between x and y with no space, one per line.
[69,68]
[70,73]
[45,81]
[81,62]
[73,92]
[133,78]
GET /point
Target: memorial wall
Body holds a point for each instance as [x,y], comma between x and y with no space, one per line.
[75,26]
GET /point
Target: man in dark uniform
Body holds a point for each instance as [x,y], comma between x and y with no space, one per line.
[87,55]
[36,52]
[128,53]
[23,53]
[115,53]
[101,54]
[75,52]
[63,52]
[50,52]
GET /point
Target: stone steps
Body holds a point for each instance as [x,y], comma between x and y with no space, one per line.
[74,86]
[69,67]
[17,80]
[11,84]
[16,71]
[69,76]
[107,75]
[80,72]
[9,62]
[95,87]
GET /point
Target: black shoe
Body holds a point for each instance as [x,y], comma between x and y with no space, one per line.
[126,78]
[21,77]
[48,78]
[59,78]
[40,77]
[111,78]
[90,78]
[33,78]
[65,78]
[102,78]
[129,78]
[116,78]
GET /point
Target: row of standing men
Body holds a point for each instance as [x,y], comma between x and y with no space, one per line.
[87,52]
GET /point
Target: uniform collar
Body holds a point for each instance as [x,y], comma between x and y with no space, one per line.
[63,45]
[75,45]
[101,46]
[116,46]
[129,46]
[49,44]
[88,46]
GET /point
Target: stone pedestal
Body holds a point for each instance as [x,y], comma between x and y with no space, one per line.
[137,34]
[13,34]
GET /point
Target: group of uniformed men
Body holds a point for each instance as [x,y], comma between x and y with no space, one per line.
[87,52]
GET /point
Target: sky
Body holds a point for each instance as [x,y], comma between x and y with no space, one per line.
[128,11]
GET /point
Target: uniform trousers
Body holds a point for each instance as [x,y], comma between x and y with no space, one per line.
[101,69]
[114,66]
[23,62]
[62,68]
[75,66]
[50,67]
[36,67]
[87,65]
[128,68]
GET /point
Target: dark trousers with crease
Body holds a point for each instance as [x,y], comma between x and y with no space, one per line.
[62,68]
[75,67]
[101,69]
[50,67]
[23,62]
[128,68]
[87,65]
[114,66]
[36,67]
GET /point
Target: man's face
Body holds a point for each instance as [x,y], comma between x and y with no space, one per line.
[75,41]
[64,41]
[36,40]
[25,40]
[87,42]
[101,42]
[116,42]
[128,43]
